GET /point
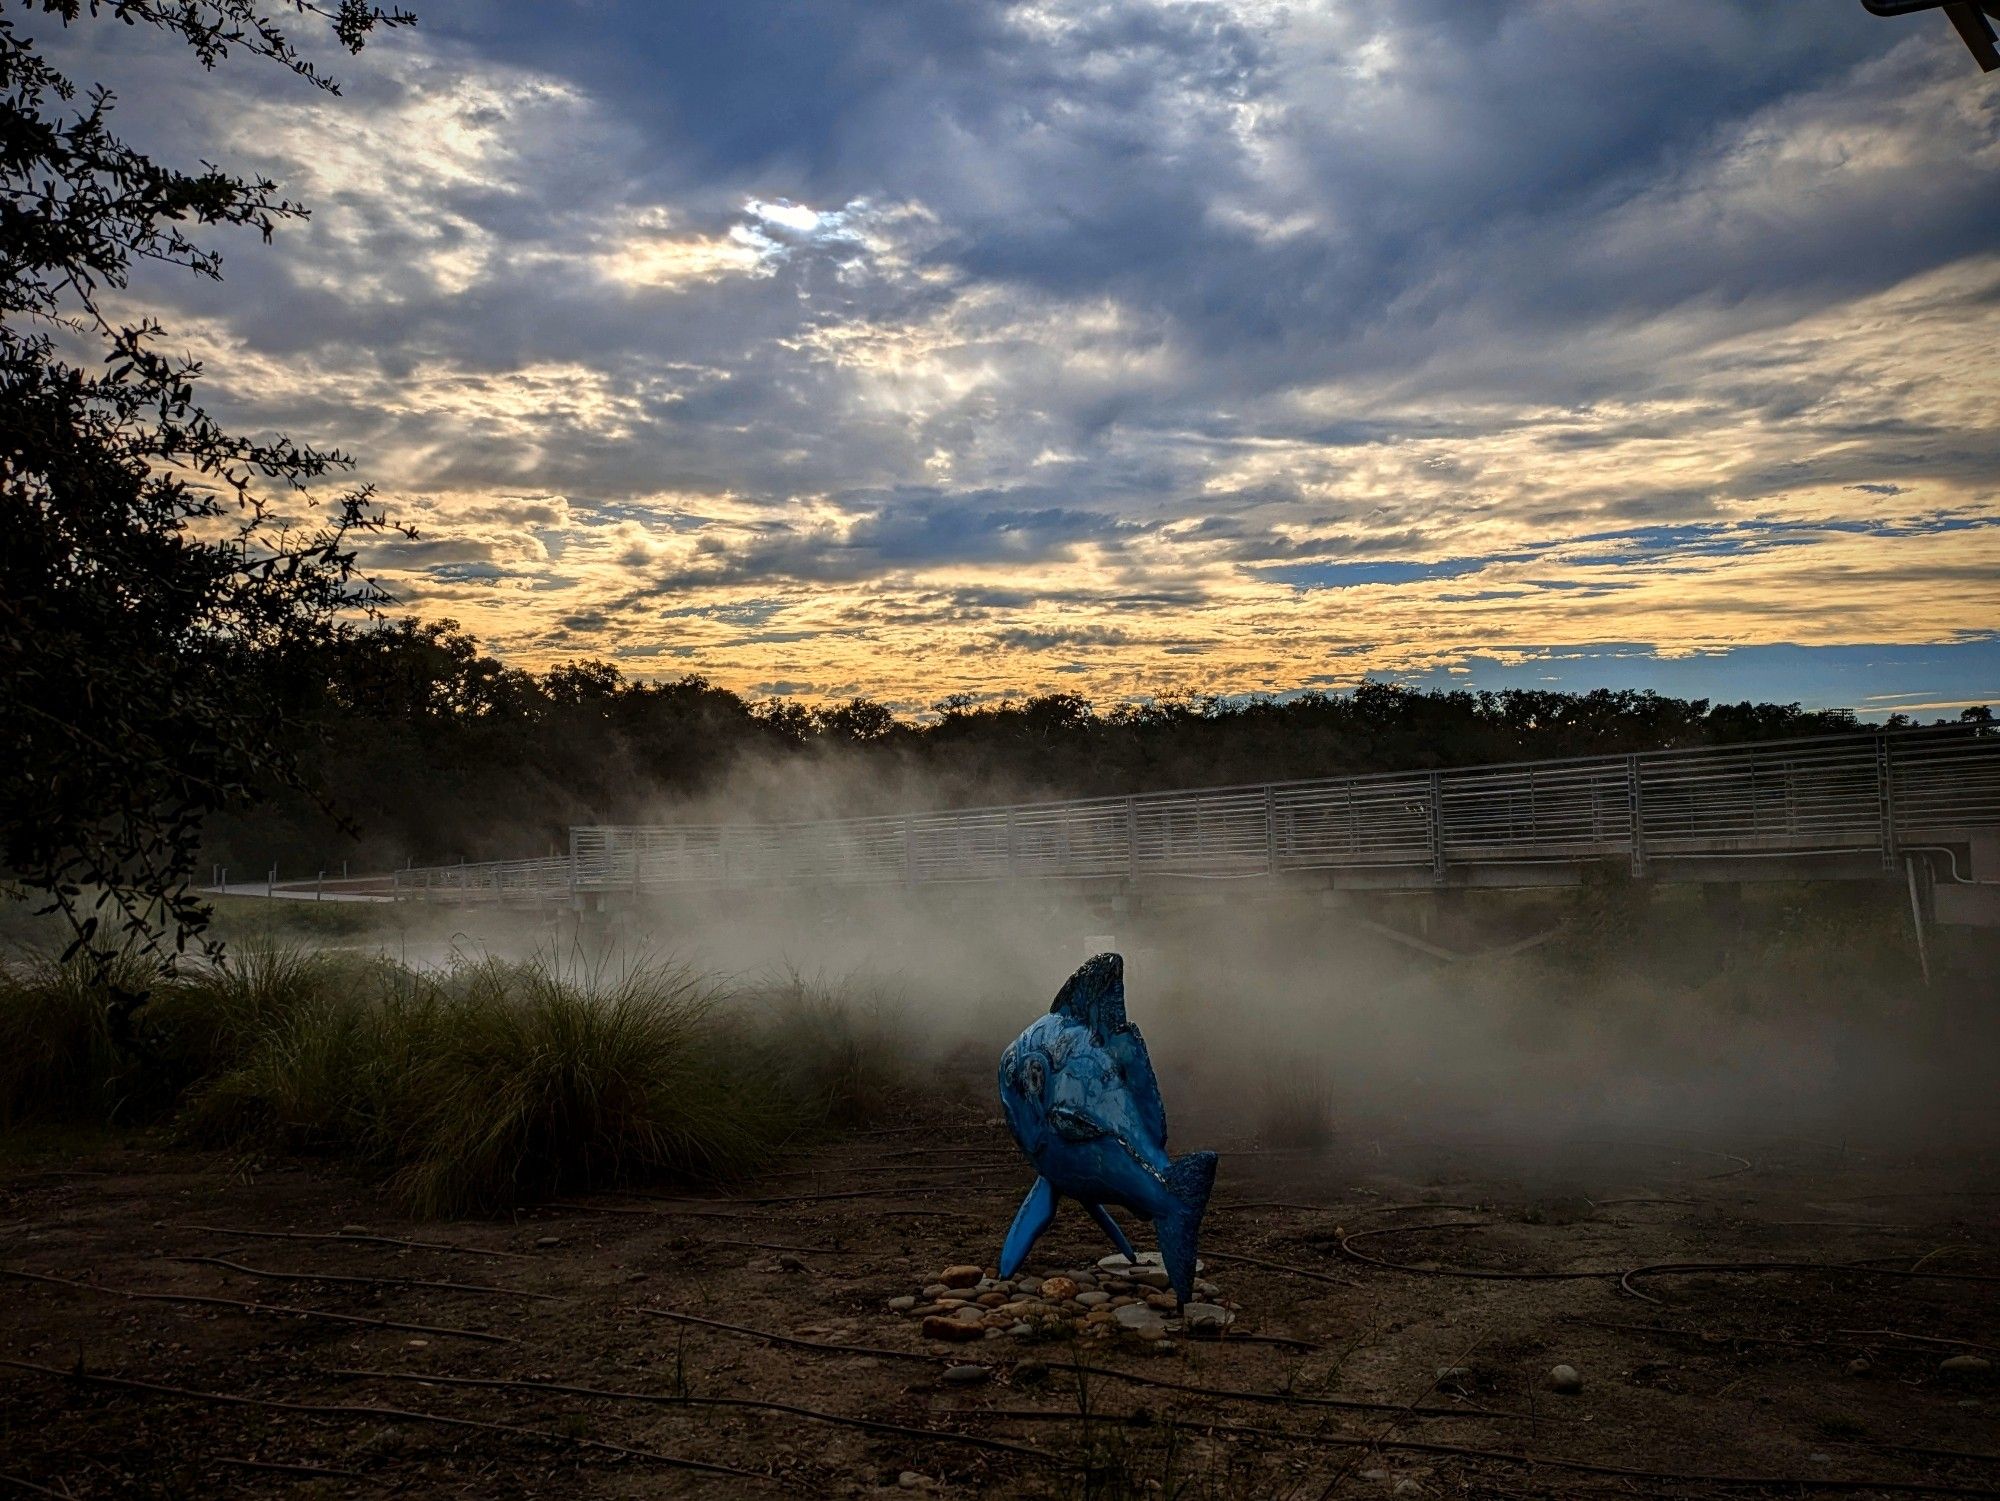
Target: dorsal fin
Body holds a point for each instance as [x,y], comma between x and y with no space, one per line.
[1095,996]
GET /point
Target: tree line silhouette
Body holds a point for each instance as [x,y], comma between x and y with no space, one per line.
[438,751]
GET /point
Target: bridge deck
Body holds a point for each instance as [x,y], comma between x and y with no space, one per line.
[1839,807]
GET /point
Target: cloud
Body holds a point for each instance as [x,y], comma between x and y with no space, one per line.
[901,350]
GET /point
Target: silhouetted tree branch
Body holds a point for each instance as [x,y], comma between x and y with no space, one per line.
[163,579]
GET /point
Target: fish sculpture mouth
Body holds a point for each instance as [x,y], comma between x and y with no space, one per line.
[1081,1099]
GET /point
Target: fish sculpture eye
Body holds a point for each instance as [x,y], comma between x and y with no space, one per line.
[1032,1077]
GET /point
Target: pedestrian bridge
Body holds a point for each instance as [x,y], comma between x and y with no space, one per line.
[1846,807]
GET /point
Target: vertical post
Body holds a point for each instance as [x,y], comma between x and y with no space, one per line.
[222,881]
[1885,811]
[1013,860]
[1917,918]
[1270,831]
[1132,839]
[343,870]
[1437,825]
[319,888]
[1635,811]
[271,882]
[909,852]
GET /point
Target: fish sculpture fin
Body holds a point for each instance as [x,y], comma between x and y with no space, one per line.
[1110,1227]
[1030,1220]
[1188,1181]
[1094,997]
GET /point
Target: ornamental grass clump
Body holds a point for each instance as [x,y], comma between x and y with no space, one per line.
[59,1054]
[529,1084]
[468,1090]
[494,1084]
[203,1021]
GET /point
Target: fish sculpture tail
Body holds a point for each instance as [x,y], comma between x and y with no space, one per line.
[1189,1180]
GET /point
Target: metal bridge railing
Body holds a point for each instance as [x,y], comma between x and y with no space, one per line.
[526,881]
[1831,796]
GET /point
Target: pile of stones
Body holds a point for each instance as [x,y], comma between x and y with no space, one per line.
[1115,1297]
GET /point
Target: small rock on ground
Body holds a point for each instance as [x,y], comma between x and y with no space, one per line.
[965,1375]
[1140,1319]
[1206,1318]
[1566,1380]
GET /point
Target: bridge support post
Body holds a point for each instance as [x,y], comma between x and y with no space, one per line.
[1885,794]
[1437,826]
[1917,917]
[1635,812]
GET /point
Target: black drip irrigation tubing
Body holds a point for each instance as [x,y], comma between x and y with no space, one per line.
[1627,1275]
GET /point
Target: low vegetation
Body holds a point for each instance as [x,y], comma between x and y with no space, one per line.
[469,1089]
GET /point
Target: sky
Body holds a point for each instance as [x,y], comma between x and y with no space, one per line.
[922,347]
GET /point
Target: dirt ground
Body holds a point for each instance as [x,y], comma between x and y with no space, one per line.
[546,1364]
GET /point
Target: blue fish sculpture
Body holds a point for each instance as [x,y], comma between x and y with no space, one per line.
[1082,1101]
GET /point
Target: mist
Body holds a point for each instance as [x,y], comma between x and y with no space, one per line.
[1294,1017]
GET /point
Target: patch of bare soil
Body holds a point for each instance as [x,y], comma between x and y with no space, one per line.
[1745,1318]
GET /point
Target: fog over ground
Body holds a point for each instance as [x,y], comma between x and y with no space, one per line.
[1678,1014]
